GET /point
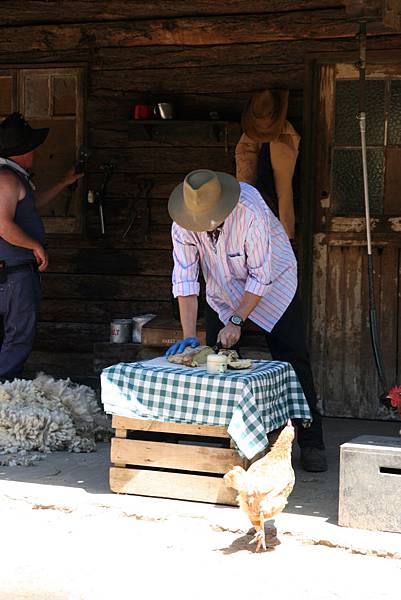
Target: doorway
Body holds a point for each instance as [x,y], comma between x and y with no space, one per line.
[340,337]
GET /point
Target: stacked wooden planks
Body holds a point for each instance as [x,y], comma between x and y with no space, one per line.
[172,460]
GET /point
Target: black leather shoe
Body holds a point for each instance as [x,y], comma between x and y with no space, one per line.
[313,460]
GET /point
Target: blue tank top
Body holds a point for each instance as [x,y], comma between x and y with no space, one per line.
[26,217]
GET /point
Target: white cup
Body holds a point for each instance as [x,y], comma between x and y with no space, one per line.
[216,364]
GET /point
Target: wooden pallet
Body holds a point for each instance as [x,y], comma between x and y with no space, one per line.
[172,460]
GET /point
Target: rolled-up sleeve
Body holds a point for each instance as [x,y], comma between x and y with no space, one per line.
[186,263]
[258,255]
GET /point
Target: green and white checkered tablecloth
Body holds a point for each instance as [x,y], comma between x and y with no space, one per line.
[249,404]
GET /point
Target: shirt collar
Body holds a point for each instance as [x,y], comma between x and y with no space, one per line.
[215,234]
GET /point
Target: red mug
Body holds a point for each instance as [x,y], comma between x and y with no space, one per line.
[143,111]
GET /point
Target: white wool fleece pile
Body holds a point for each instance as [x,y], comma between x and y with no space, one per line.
[45,414]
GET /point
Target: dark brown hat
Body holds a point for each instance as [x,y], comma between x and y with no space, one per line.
[264,115]
[17,137]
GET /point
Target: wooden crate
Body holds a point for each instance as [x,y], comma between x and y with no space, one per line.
[179,464]
[165,332]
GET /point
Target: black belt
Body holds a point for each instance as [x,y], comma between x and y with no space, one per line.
[31,266]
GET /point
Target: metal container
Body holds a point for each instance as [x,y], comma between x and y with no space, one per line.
[164,110]
[121,331]
[137,323]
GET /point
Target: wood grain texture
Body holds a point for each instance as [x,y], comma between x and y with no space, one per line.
[103,312]
[230,29]
[184,457]
[20,12]
[102,287]
[183,486]
[183,428]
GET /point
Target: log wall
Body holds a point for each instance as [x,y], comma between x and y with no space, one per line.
[202,56]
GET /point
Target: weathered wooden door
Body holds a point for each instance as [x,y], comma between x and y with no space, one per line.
[341,347]
[51,97]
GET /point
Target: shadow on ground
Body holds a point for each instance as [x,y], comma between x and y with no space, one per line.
[315,494]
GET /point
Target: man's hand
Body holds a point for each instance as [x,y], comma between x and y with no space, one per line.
[180,346]
[43,198]
[41,257]
[229,335]
[71,177]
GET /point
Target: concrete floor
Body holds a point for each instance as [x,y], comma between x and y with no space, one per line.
[66,537]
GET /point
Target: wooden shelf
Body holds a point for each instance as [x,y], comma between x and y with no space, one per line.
[166,129]
[180,121]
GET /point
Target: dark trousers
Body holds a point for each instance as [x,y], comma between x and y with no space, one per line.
[287,343]
[20,298]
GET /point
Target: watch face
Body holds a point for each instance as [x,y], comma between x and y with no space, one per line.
[236,320]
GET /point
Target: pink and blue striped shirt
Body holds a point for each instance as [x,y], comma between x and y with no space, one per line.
[252,254]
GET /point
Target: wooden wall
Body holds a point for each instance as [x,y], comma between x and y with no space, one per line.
[202,56]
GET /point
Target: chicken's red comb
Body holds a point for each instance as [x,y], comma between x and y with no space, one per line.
[395,396]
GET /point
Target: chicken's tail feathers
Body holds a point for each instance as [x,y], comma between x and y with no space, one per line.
[236,478]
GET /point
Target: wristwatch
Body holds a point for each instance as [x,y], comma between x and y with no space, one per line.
[236,320]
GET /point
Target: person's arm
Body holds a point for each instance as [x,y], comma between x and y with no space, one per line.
[230,334]
[10,192]
[188,315]
[185,286]
[246,159]
[45,197]
[284,153]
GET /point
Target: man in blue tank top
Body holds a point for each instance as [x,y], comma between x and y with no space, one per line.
[23,254]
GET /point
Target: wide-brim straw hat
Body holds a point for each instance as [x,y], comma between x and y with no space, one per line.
[17,137]
[203,200]
[264,115]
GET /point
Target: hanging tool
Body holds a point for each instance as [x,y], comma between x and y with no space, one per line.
[83,157]
[97,197]
[144,188]
[361,116]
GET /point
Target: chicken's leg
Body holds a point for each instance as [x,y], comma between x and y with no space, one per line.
[260,537]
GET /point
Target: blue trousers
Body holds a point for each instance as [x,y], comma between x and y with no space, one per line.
[20,298]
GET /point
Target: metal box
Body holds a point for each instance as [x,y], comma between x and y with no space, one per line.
[370,483]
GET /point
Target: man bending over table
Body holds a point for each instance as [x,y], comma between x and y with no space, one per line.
[250,272]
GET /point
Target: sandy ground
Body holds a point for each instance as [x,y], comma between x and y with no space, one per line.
[57,553]
[64,536]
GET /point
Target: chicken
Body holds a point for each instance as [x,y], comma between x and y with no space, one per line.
[265,486]
[394,396]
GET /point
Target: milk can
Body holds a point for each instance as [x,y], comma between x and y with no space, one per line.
[121,331]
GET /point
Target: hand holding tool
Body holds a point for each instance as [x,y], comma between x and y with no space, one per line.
[83,157]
